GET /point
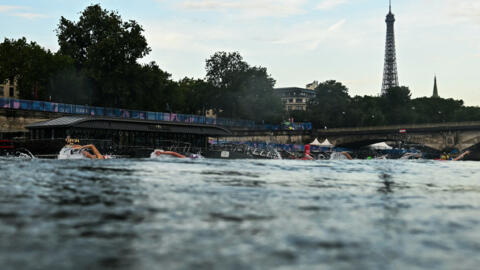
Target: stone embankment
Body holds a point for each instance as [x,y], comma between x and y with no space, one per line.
[16,120]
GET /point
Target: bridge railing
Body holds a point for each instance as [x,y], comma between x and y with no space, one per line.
[53,107]
[290,126]
[406,128]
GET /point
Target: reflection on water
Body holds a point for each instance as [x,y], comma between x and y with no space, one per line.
[242,214]
[387,183]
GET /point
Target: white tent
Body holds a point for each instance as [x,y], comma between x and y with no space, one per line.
[315,142]
[326,143]
[380,146]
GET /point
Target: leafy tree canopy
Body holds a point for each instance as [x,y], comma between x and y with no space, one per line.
[333,107]
[398,96]
[97,65]
[242,91]
[225,70]
[106,49]
[329,107]
[31,65]
[101,39]
[332,88]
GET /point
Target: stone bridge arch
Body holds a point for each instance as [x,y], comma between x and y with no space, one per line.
[437,138]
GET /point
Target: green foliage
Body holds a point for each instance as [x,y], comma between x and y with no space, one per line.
[106,50]
[397,96]
[149,87]
[329,107]
[196,95]
[395,105]
[226,70]
[365,111]
[101,40]
[242,91]
[97,65]
[32,66]
[334,108]
[69,85]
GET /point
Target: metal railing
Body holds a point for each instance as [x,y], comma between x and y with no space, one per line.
[53,107]
[45,106]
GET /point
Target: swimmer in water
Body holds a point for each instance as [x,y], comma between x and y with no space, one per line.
[85,149]
[347,155]
[445,157]
[161,152]
[460,157]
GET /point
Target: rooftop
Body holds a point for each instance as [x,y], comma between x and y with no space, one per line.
[131,125]
[299,89]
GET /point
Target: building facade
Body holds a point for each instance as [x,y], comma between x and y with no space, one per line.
[295,98]
[9,89]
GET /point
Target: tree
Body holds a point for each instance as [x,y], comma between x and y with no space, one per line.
[101,39]
[242,91]
[397,96]
[226,70]
[198,95]
[31,65]
[69,85]
[148,87]
[365,111]
[330,105]
[106,49]
[258,100]
[434,110]
[397,107]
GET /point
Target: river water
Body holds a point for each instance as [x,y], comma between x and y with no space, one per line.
[242,214]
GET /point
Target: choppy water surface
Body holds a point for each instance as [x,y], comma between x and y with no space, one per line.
[220,214]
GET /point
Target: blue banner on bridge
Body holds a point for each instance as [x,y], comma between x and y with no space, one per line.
[44,106]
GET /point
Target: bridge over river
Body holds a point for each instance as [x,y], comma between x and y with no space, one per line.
[16,114]
[440,136]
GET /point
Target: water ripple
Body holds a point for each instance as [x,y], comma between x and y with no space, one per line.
[242,214]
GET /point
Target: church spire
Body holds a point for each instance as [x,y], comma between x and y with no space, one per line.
[435,88]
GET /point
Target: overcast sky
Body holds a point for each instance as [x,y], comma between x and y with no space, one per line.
[298,41]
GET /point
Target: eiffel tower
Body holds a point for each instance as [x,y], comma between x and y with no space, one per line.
[390,75]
